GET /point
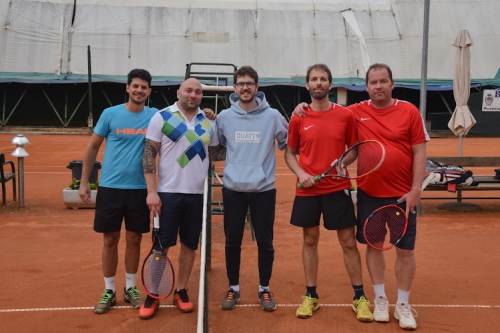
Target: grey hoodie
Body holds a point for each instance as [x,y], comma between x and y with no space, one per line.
[250,138]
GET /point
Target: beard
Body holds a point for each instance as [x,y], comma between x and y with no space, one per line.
[319,94]
[189,105]
[137,100]
[247,98]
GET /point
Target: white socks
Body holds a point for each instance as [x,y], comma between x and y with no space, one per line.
[130,280]
[379,290]
[109,282]
[403,296]
[261,288]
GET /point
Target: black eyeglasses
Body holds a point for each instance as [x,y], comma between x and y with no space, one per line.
[243,84]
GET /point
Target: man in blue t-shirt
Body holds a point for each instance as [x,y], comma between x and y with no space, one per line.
[122,188]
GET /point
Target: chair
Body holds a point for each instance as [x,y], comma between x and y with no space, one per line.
[6,176]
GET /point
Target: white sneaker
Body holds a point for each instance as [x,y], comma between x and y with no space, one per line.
[381,309]
[404,313]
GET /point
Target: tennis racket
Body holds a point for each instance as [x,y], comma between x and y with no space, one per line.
[357,161]
[387,225]
[158,276]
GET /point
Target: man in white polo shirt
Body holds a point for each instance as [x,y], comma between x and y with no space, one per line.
[180,134]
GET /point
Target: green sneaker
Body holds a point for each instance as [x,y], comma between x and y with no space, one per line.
[361,307]
[132,296]
[108,299]
[309,305]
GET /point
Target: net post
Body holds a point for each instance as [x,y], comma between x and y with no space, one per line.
[208,204]
[202,324]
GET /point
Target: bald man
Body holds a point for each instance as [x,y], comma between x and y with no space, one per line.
[180,134]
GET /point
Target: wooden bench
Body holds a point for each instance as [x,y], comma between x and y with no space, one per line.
[485,182]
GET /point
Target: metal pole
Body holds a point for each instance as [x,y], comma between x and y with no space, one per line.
[425,48]
[460,137]
[90,120]
[20,140]
[20,174]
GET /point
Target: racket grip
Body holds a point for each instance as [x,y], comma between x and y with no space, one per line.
[156,221]
[315,178]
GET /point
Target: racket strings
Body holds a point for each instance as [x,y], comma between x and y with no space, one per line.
[361,159]
[157,274]
[385,226]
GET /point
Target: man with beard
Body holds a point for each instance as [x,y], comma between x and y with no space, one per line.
[399,126]
[180,134]
[122,189]
[322,137]
[249,130]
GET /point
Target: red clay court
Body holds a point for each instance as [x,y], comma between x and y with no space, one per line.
[51,261]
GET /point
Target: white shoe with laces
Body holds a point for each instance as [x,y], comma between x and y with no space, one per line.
[381,309]
[405,314]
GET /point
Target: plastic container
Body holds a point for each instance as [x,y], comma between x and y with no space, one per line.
[76,170]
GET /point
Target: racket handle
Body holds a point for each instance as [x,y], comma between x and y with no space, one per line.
[315,178]
[156,221]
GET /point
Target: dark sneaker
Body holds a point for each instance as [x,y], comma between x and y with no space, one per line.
[149,308]
[131,295]
[181,300]
[230,300]
[266,301]
[108,299]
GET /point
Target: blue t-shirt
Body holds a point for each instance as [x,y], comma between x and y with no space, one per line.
[125,134]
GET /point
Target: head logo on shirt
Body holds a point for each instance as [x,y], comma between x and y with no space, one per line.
[131,131]
[175,129]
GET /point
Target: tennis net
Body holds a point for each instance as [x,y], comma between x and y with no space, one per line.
[202,325]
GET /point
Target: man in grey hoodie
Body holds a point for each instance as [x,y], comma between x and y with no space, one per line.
[249,130]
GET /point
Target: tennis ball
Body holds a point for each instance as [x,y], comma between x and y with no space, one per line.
[397,213]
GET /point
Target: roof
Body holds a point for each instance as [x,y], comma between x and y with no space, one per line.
[279,38]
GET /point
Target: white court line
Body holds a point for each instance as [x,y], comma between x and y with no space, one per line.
[393,305]
[464,306]
[48,173]
[43,166]
[72,308]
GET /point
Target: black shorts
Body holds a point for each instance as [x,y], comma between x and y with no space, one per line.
[337,209]
[367,204]
[181,214]
[114,205]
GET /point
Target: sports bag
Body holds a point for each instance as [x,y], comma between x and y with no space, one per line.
[450,175]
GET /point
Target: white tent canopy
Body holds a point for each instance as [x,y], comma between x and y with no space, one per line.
[280,38]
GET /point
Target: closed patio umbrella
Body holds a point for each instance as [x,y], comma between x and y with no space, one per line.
[462,119]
